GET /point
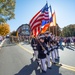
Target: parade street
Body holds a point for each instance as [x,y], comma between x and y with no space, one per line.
[15,59]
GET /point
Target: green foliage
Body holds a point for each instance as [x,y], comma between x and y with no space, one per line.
[13,33]
[69,30]
[7,10]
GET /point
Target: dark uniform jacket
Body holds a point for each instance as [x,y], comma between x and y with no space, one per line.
[47,39]
[41,53]
[34,44]
[52,47]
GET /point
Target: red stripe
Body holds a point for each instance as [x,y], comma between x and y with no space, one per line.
[38,21]
[36,26]
[40,18]
[34,17]
[35,23]
[36,31]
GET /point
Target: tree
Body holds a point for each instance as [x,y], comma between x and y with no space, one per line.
[69,30]
[6,10]
[4,29]
[55,29]
[14,33]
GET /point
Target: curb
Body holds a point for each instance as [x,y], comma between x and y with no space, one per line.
[2,43]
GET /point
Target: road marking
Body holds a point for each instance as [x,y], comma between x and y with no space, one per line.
[31,52]
[66,67]
[71,68]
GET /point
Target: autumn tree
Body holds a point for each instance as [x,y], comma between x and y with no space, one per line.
[4,29]
[6,10]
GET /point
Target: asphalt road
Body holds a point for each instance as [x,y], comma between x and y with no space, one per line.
[15,59]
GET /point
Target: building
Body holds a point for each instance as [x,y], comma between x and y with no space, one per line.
[23,30]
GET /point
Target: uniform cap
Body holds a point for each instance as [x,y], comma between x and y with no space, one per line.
[47,32]
[41,37]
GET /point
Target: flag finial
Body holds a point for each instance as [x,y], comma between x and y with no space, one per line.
[46,1]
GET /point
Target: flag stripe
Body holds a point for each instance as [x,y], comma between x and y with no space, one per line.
[40,18]
[36,21]
[54,19]
[34,17]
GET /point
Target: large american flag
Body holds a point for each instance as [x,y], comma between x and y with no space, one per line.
[35,22]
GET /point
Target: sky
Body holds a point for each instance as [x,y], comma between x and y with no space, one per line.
[26,9]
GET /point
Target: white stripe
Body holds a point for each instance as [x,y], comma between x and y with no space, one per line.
[34,19]
[45,17]
[39,16]
[36,24]
[37,31]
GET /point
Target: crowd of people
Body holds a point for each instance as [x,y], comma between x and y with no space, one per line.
[45,47]
[69,40]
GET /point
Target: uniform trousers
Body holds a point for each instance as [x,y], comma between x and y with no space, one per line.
[36,54]
[53,56]
[43,64]
[56,53]
[48,60]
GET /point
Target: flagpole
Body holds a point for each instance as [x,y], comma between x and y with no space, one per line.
[52,19]
[56,29]
[53,29]
[55,24]
[49,28]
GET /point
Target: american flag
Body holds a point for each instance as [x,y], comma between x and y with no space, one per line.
[36,21]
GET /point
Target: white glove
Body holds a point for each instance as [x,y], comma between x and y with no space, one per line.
[49,49]
[45,52]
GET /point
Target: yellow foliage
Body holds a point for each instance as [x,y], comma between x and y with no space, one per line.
[4,29]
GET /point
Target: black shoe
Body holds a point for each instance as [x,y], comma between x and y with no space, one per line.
[43,71]
[49,68]
[56,59]
[36,59]
[60,64]
[31,59]
[38,63]
[54,63]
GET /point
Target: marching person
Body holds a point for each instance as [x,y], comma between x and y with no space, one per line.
[48,55]
[42,51]
[47,38]
[52,52]
[34,46]
[56,50]
[47,42]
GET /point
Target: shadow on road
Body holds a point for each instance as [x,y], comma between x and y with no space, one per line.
[71,48]
[68,47]
[25,43]
[28,70]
